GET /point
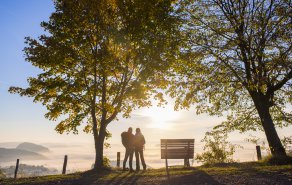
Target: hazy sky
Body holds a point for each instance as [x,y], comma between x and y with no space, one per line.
[23,120]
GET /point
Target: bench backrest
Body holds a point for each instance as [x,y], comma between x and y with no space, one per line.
[177,148]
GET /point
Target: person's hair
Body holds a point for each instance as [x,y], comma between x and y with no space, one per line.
[130,129]
[138,130]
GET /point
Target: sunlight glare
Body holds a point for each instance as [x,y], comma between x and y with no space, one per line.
[161,117]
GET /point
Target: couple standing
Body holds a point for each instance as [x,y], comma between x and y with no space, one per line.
[133,143]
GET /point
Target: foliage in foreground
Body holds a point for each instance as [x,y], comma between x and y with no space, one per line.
[217,149]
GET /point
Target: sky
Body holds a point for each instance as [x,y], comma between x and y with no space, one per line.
[22,120]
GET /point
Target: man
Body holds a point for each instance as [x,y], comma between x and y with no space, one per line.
[127,141]
[139,142]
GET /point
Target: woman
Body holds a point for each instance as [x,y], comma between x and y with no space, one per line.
[139,142]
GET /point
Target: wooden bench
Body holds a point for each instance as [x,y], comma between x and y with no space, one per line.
[177,149]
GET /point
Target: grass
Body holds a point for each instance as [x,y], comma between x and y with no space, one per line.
[242,169]
[246,168]
[40,179]
[277,160]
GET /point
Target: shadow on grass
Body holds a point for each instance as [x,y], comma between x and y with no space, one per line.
[94,176]
[196,177]
[178,176]
[107,177]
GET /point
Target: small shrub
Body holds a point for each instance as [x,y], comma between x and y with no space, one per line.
[217,149]
[106,162]
[287,142]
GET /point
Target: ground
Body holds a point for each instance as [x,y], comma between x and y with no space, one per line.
[236,173]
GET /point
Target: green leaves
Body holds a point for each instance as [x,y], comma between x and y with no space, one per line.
[216,149]
[100,58]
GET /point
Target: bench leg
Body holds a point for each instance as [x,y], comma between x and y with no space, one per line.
[167,171]
[187,163]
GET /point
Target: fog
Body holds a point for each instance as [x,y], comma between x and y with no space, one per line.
[81,155]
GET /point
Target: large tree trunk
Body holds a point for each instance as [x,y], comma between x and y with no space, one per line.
[98,142]
[262,106]
[100,136]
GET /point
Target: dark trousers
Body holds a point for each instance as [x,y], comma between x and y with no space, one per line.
[129,154]
[139,152]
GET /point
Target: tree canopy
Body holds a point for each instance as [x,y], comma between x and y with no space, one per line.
[236,59]
[99,58]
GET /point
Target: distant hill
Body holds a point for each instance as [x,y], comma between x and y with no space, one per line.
[32,147]
[9,144]
[13,154]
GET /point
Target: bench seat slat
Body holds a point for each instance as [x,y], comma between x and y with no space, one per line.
[177,150]
[178,143]
[169,145]
[176,140]
[177,156]
[178,147]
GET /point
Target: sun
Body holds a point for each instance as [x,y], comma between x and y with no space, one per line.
[161,117]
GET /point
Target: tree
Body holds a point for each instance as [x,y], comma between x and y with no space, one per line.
[236,60]
[99,58]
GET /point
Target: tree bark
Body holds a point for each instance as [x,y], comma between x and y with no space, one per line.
[99,150]
[262,106]
[98,143]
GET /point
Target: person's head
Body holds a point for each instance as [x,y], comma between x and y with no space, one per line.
[138,130]
[130,130]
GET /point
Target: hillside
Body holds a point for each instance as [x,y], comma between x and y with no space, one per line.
[32,147]
[13,154]
[230,174]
